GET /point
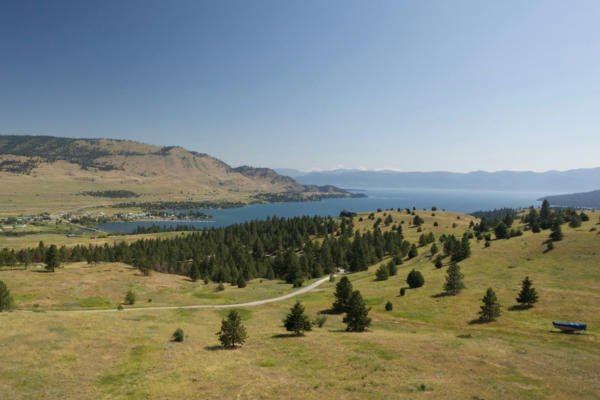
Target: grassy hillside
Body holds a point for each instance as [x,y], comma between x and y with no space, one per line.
[426,347]
[41,173]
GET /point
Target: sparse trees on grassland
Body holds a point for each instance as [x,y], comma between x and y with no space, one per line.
[232,331]
[454,280]
[490,310]
[296,321]
[528,295]
[356,318]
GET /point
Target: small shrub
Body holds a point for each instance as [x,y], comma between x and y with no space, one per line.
[298,282]
[402,291]
[178,335]
[331,278]
[389,306]
[120,307]
[487,243]
[130,297]
[220,287]
[438,263]
[383,273]
[320,320]
[415,279]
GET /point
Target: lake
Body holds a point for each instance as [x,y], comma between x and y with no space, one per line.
[465,201]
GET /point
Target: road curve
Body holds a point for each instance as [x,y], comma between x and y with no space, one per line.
[211,306]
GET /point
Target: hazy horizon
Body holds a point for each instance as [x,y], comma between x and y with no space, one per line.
[407,86]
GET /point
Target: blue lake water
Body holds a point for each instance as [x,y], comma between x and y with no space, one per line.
[465,201]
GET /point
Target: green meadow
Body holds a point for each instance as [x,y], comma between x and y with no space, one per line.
[427,347]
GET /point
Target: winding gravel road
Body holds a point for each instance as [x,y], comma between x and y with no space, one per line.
[249,304]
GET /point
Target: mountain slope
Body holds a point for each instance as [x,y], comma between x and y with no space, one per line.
[41,173]
[579,200]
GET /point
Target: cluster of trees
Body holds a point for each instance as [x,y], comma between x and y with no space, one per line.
[112,193]
[51,255]
[274,248]
[553,219]
[458,250]
[351,303]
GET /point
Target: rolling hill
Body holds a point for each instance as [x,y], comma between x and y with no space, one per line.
[43,173]
[577,200]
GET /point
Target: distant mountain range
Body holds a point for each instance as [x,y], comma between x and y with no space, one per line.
[576,180]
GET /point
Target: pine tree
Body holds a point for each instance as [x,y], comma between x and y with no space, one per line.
[389,306]
[454,280]
[415,279]
[51,260]
[545,215]
[413,252]
[296,321]
[232,331]
[383,273]
[392,268]
[343,291]
[6,300]
[556,234]
[434,249]
[241,282]
[194,272]
[528,295]
[501,231]
[490,310]
[356,318]
[178,335]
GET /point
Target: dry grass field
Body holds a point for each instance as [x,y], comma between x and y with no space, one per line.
[426,348]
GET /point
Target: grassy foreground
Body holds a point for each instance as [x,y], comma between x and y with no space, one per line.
[425,348]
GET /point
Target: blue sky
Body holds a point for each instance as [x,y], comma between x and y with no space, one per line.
[408,85]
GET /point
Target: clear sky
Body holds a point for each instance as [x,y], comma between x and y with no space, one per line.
[408,85]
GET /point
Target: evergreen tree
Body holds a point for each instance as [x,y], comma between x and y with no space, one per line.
[392,268]
[389,306]
[415,279]
[413,252]
[490,310]
[296,321]
[454,280]
[6,300]
[232,331]
[434,249]
[356,318]
[545,215]
[51,259]
[178,335]
[383,273]
[556,231]
[194,272]
[501,231]
[241,282]
[343,291]
[528,295]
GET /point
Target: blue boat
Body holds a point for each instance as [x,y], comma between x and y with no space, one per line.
[569,326]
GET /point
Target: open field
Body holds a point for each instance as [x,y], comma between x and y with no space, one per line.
[94,238]
[425,348]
